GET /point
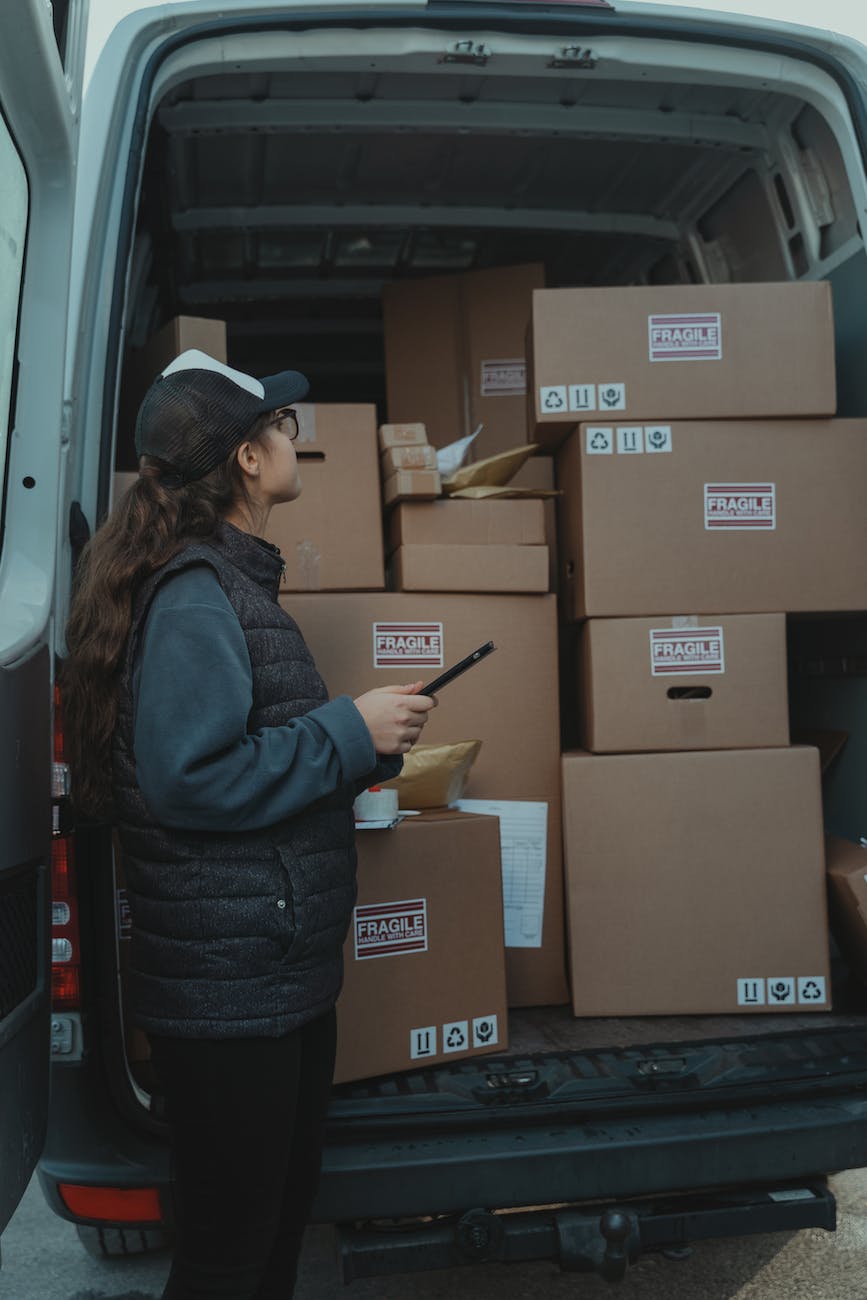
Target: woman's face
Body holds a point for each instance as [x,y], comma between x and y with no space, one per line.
[279,479]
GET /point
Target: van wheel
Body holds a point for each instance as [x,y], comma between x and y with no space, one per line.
[105,1242]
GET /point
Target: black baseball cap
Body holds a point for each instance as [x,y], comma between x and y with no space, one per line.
[198,409]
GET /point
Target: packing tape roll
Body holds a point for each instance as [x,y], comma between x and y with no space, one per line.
[375,805]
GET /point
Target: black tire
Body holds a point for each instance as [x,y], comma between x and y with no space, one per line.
[104,1243]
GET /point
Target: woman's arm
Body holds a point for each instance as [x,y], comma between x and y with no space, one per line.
[197,766]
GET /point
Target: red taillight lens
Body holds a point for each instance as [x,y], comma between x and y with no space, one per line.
[112,1204]
[65,946]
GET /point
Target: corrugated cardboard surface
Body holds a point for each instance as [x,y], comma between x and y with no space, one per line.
[687,873]
[331,537]
[452,862]
[470,568]
[628,707]
[468,523]
[396,458]
[633,538]
[402,435]
[509,701]
[847,896]
[441,337]
[407,483]
[538,472]
[773,354]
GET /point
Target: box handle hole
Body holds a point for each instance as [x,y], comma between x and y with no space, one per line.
[689,692]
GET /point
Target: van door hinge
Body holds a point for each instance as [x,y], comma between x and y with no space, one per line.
[468,51]
[574,56]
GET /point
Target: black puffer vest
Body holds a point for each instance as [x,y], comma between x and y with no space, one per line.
[236,934]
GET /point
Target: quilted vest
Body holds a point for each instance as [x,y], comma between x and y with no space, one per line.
[235,934]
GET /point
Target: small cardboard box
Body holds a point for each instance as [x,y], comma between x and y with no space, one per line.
[409,484]
[679,352]
[470,568]
[142,365]
[468,523]
[455,354]
[402,435]
[331,537]
[538,472]
[363,641]
[425,977]
[847,897]
[397,458]
[701,683]
[714,517]
[696,882]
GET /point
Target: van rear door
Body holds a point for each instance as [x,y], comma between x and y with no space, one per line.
[40,53]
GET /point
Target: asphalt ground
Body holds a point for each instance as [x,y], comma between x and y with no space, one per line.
[44,1260]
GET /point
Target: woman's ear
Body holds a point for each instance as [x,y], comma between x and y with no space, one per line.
[248,459]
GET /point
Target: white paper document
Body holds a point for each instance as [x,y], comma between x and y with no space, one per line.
[523,843]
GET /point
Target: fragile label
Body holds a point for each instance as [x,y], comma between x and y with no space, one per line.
[739,507]
[504,378]
[688,651]
[390,929]
[407,645]
[690,337]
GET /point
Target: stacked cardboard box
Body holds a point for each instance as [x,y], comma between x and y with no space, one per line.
[455,354]
[684,540]
[456,545]
[408,464]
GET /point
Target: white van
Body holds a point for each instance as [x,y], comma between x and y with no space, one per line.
[274,164]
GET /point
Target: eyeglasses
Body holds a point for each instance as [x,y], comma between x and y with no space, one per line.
[286,421]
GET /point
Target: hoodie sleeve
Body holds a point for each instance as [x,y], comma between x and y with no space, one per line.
[197,766]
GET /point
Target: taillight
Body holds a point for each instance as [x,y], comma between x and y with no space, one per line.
[112,1204]
[65,943]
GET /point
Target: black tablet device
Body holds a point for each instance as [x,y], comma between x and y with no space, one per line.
[456,669]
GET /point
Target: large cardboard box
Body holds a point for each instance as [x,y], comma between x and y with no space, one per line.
[714,517]
[696,882]
[142,365]
[468,523]
[455,354]
[847,896]
[425,977]
[331,537]
[700,683]
[679,352]
[509,702]
[470,568]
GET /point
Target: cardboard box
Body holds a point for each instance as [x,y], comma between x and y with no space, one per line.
[704,683]
[470,568]
[425,976]
[714,518]
[360,642]
[538,472]
[847,897]
[402,435]
[468,523]
[397,458]
[678,352]
[406,484]
[331,537]
[142,365]
[455,354]
[696,882]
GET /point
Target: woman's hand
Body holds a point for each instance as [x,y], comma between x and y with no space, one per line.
[395,716]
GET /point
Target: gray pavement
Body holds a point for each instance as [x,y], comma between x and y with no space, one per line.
[43,1260]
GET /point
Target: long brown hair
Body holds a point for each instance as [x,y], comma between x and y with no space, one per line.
[148,525]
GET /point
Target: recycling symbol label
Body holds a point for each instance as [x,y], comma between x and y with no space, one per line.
[484,1031]
[552,399]
[811,990]
[781,991]
[456,1036]
[599,441]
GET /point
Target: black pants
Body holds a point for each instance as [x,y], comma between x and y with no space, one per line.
[246,1119]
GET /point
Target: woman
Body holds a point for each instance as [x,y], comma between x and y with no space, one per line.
[198,721]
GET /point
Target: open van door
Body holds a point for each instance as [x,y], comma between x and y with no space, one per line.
[41,51]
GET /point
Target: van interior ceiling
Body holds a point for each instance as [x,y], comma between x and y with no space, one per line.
[281,201]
